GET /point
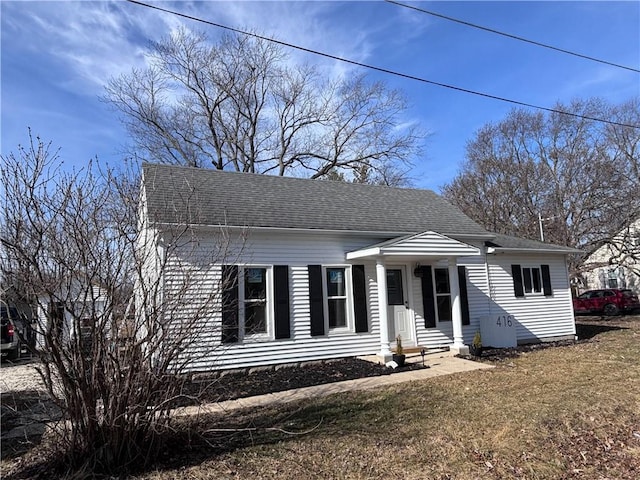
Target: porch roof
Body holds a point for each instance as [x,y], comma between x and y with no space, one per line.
[425,244]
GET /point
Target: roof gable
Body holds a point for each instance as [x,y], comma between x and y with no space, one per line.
[425,244]
[212,197]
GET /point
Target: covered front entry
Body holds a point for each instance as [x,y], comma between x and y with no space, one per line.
[401,320]
[393,306]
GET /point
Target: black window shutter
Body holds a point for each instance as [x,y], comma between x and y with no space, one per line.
[546,280]
[316,300]
[281,294]
[464,299]
[360,298]
[518,288]
[229,303]
[427,298]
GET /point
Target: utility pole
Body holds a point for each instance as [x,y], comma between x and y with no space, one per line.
[540,224]
[540,220]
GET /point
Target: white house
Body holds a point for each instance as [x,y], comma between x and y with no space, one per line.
[616,264]
[323,269]
[74,316]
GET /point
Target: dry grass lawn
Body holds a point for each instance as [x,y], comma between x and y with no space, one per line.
[557,413]
[562,412]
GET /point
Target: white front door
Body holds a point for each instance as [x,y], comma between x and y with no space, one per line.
[398,305]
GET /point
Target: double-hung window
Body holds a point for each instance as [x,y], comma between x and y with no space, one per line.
[255,301]
[336,287]
[443,294]
[436,294]
[337,299]
[532,280]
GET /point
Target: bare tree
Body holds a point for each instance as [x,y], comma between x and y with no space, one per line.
[580,177]
[73,243]
[239,105]
[620,256]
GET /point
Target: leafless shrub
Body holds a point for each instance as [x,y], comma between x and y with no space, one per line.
[113,343]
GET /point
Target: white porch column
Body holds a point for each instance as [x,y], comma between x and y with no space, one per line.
[456,311]
[381,279]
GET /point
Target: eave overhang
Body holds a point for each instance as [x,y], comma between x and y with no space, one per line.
[557,251]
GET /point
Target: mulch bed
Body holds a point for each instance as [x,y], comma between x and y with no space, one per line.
[247,383]
[587,327]
[497,355]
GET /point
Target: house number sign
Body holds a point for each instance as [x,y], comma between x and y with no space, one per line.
[505,321]
[499,330]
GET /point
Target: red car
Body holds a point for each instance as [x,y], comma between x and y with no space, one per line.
[610,301]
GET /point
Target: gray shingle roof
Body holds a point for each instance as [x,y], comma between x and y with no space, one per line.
[213,197]
[516,243]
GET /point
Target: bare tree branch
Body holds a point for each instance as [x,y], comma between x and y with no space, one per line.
[237,105]
[580,176]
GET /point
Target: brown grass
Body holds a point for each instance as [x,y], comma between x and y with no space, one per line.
[559,413]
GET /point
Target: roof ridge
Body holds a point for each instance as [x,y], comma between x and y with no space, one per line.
[216,171]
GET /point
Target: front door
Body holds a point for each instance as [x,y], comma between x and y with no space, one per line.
[398,306]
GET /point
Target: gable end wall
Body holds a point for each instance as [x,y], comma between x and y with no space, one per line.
[537,317]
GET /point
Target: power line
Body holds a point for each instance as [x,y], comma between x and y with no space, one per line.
[509,35]
[380,69]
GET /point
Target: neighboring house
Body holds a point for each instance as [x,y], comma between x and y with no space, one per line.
[74,316]
[331,269]
[616,264]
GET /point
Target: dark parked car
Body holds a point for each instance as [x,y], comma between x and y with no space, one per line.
[10,321]
[610,301]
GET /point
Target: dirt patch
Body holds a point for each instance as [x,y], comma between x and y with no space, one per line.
[498,355]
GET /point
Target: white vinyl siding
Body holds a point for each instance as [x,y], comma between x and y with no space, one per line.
[624,250]
[266,248]
[490,292]
[537,317]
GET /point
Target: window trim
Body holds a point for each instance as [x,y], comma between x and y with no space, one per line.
[269,310]
[349,315]
[519,280]
[532,283]
[437,295]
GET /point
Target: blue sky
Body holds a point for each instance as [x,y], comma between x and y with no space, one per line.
[58,55]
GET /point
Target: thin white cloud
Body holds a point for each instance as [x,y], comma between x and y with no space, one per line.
[313,25]
[94,41]
[91,41]
[601,79]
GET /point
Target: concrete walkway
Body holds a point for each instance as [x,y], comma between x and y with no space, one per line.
[442,363]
